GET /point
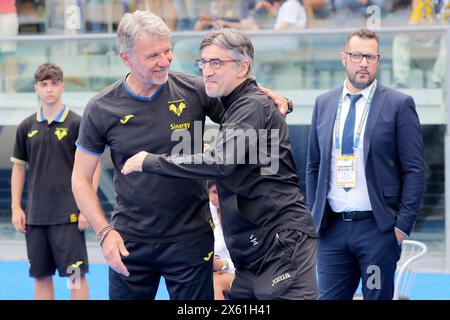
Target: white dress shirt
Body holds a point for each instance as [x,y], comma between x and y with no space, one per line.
[357,198]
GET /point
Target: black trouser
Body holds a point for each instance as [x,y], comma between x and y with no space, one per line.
[350,251]
[187,267]
[288,271]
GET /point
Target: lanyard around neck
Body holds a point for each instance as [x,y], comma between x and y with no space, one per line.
[361,123]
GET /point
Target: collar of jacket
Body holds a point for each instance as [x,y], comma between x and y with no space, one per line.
[238,92]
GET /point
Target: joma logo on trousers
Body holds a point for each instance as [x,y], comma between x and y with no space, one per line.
[280,278]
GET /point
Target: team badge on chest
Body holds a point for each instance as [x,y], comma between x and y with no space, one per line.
[60,133]
[177,106]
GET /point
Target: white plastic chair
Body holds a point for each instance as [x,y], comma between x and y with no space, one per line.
[407,268]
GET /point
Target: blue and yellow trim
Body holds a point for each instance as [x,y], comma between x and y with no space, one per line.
[138,97]
[92,153]
[62,115]
[40,116]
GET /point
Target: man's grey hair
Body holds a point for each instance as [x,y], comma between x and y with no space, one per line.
[237,43]
[132,23]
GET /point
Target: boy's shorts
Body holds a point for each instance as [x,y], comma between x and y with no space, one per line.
[52,247]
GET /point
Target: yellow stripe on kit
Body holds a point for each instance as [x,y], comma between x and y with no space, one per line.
[73,218]
[211,224]
[18,161]
[208,257]
[77,264]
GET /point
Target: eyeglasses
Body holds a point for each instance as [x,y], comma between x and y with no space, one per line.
[357,57]
[213,63]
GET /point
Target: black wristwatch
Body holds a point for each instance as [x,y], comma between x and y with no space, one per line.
[290,106]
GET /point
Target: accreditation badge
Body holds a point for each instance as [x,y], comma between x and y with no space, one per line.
[346,171]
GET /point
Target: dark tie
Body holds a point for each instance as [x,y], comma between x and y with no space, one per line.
[349,128]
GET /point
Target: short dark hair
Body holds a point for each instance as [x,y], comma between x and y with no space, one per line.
[235,41]
[363,34]
[48,71]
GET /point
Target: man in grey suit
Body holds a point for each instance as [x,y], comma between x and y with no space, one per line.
[365,176]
